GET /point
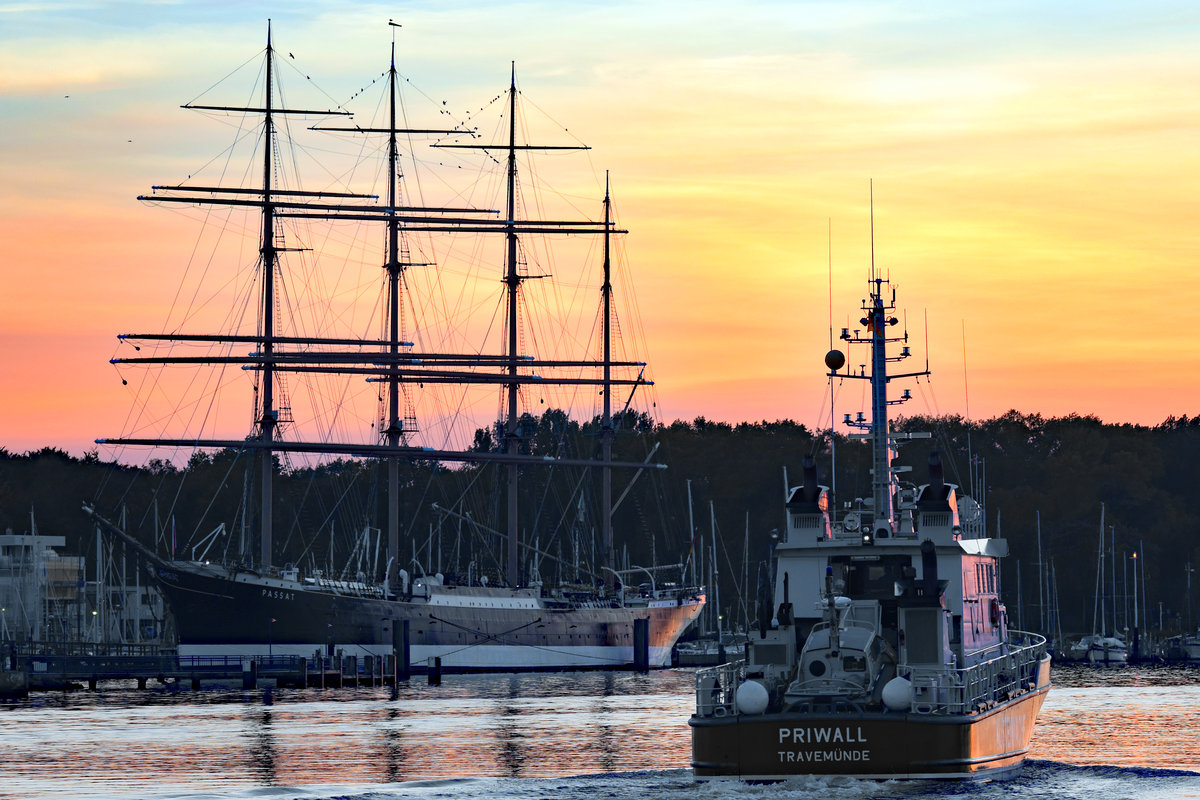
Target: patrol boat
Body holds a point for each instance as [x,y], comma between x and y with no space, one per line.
[885,651]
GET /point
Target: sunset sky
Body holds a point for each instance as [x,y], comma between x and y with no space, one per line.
[1036,170]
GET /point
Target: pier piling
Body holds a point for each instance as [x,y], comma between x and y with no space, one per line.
[435,671]
[400,645]
[641,645]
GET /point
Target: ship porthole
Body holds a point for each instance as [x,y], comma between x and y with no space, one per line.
[817,668]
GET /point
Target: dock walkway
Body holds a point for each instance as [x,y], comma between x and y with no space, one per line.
[63,666]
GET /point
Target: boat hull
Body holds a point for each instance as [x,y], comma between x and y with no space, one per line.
[1109,657]
[987,745]
[474,630]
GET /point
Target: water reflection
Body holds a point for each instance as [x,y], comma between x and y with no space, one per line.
[394,753]
[526,726]
[511,757]
[262,746]
[1085,675]
[606,742]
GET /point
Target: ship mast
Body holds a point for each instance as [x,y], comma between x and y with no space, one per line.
[606,430]
[397,263]
[394,428]
[878,316]
[512,282]
[269,417]
[881,446]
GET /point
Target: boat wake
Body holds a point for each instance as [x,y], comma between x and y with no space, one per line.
[1038,779]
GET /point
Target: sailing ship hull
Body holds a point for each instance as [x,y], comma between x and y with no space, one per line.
[468,628]
[986,745]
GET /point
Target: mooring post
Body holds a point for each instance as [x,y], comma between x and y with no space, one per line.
[400,645]
[435,671]
[641,645]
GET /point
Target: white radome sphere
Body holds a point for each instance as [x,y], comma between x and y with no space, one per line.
[898,694]
[752,698]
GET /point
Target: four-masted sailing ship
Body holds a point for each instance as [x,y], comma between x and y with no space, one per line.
[251,606]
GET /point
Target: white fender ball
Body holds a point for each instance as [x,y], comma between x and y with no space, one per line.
[897,694]
[752,698]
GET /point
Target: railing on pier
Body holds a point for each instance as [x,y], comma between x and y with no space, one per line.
[69,666]
[24,649]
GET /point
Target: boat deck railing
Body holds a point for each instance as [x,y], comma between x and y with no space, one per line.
[1011,670]
[716,689]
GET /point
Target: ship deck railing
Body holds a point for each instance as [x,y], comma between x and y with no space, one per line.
[716,688]
[348,588]
[1008,670]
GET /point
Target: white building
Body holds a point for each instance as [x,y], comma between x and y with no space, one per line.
[40,591]
[46,597]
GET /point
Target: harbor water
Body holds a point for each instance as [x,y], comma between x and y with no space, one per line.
[1128,733]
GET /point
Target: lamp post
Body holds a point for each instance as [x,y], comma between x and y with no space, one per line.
[1136,638]
[1187,612]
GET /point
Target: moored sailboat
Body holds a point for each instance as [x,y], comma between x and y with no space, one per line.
[1100,648]
[250,606]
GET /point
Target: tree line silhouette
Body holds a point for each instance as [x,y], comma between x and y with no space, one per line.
[1021,466]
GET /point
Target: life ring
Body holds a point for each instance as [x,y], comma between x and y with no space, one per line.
[994,612]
